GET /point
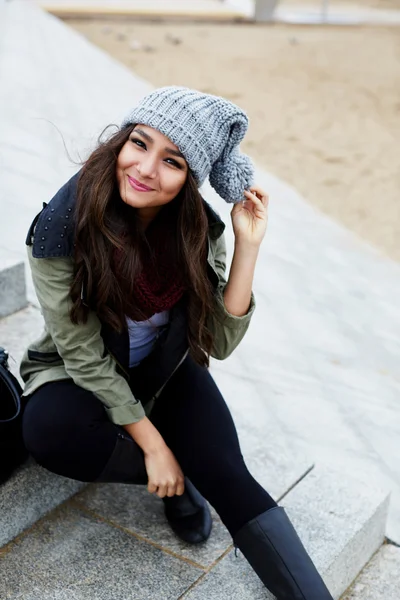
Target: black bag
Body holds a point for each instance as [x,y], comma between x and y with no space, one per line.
[12,450]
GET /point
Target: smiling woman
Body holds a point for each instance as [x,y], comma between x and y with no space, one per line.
[148,177]
[135,302]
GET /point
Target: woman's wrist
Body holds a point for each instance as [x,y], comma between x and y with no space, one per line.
[146,436]
[237,293]
[248,249]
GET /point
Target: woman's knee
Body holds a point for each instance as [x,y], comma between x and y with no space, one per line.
[39,428]
[57,418]
[219,469]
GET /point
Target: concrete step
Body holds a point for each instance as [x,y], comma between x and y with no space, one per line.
[341,524]
[17,330]
[12,283]
[31,491]
[28,495]
[105,530]
[379,580]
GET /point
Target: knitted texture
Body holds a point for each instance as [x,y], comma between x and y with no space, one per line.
[160,284]
[207,130]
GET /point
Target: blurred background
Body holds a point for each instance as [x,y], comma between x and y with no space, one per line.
[319,79]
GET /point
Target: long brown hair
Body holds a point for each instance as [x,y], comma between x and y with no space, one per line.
[102,221]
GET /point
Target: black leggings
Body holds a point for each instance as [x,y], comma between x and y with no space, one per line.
[67,431]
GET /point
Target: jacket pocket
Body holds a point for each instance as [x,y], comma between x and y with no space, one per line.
[44,357]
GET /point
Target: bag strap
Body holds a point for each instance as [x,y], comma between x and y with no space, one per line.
[11,383]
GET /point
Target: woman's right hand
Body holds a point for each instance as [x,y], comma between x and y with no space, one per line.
[165,475]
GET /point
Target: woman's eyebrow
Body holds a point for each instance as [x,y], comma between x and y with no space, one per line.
[150,139]
[174,152]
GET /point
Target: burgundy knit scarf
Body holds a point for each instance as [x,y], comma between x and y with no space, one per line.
[160,284]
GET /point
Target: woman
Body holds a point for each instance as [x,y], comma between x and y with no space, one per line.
[128,263]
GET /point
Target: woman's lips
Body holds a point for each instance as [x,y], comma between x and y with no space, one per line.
[139,186]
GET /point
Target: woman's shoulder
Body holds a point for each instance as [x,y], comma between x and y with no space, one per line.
[51,231]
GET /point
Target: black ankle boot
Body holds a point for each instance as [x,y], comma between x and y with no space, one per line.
[189,515]
[274,550]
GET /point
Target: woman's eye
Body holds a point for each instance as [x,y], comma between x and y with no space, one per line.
[138,142]
[141,144]
[174,163]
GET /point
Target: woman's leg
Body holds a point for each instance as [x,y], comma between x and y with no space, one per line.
[197,425]
[67,431]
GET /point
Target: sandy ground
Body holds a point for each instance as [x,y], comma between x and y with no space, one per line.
[324,103]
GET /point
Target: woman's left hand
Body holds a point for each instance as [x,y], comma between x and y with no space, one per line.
[250,217]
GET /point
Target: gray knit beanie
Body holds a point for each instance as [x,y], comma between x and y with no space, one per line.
[207,130]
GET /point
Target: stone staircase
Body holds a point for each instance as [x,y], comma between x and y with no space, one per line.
[12,284]
[60,539]
[31,492]
[380,578]
[44,518]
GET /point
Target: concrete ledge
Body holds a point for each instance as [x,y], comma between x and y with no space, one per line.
[341,524]
[73,556]
[380,578]
[12,284]
[28,495]
[17,331]
[31,491]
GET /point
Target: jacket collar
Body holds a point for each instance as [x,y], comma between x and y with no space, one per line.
[216,226]
[51,232]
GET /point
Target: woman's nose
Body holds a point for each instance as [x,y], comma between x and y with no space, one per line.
[146,166]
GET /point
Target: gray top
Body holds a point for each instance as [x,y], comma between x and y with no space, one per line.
[143,334]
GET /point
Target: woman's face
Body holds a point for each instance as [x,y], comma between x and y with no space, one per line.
[150,171]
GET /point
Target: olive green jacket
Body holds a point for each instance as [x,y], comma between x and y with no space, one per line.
[78,352]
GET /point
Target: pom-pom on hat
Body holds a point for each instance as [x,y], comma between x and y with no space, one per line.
[207,130]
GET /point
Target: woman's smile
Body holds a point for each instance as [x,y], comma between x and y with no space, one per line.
[140,187]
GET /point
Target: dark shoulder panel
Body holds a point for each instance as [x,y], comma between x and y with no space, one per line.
[51,231]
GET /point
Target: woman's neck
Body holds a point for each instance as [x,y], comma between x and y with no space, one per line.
[147,215]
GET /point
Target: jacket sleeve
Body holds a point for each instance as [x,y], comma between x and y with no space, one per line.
[81,346]
[228,329]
